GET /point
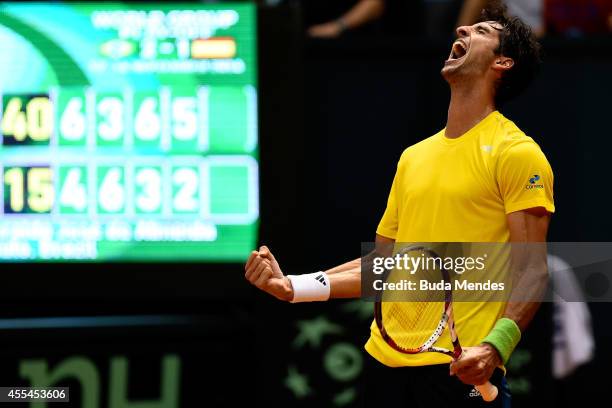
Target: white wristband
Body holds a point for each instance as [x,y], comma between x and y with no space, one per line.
[310,287]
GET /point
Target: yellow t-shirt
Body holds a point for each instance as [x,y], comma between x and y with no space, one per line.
[460,190]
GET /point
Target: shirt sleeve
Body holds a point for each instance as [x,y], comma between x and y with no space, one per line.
[387,227]
[525,178]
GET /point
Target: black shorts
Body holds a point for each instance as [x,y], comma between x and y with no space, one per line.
[425,387]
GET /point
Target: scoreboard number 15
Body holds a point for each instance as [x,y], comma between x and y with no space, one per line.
[28,190]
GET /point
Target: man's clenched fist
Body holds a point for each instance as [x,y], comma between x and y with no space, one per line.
[262,270]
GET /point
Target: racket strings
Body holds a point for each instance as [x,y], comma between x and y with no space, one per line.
[411,317]
[411,324]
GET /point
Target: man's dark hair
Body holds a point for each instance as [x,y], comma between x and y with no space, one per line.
[516,41]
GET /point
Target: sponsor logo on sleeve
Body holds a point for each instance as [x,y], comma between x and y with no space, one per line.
[533,182]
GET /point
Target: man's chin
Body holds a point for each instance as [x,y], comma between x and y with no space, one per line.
[448,71]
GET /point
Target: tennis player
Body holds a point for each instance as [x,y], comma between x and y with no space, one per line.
[480,179]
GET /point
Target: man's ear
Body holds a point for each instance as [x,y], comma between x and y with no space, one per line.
[502,63]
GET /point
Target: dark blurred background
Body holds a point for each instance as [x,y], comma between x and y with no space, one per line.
[338,103]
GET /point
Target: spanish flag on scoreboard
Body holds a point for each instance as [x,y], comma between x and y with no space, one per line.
[213,48]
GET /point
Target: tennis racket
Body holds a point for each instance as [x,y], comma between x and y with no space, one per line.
[414,327]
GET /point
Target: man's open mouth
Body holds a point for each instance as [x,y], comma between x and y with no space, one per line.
[458,51]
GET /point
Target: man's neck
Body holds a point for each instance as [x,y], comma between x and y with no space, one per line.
[468,106]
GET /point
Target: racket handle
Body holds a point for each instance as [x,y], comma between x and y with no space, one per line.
[488,391]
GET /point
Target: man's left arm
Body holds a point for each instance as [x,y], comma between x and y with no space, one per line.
[526,226]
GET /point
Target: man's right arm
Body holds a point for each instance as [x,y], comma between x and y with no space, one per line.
[264,272]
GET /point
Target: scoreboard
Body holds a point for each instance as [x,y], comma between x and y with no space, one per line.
[128,132]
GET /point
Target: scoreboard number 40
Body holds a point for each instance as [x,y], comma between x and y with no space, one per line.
[27,118]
